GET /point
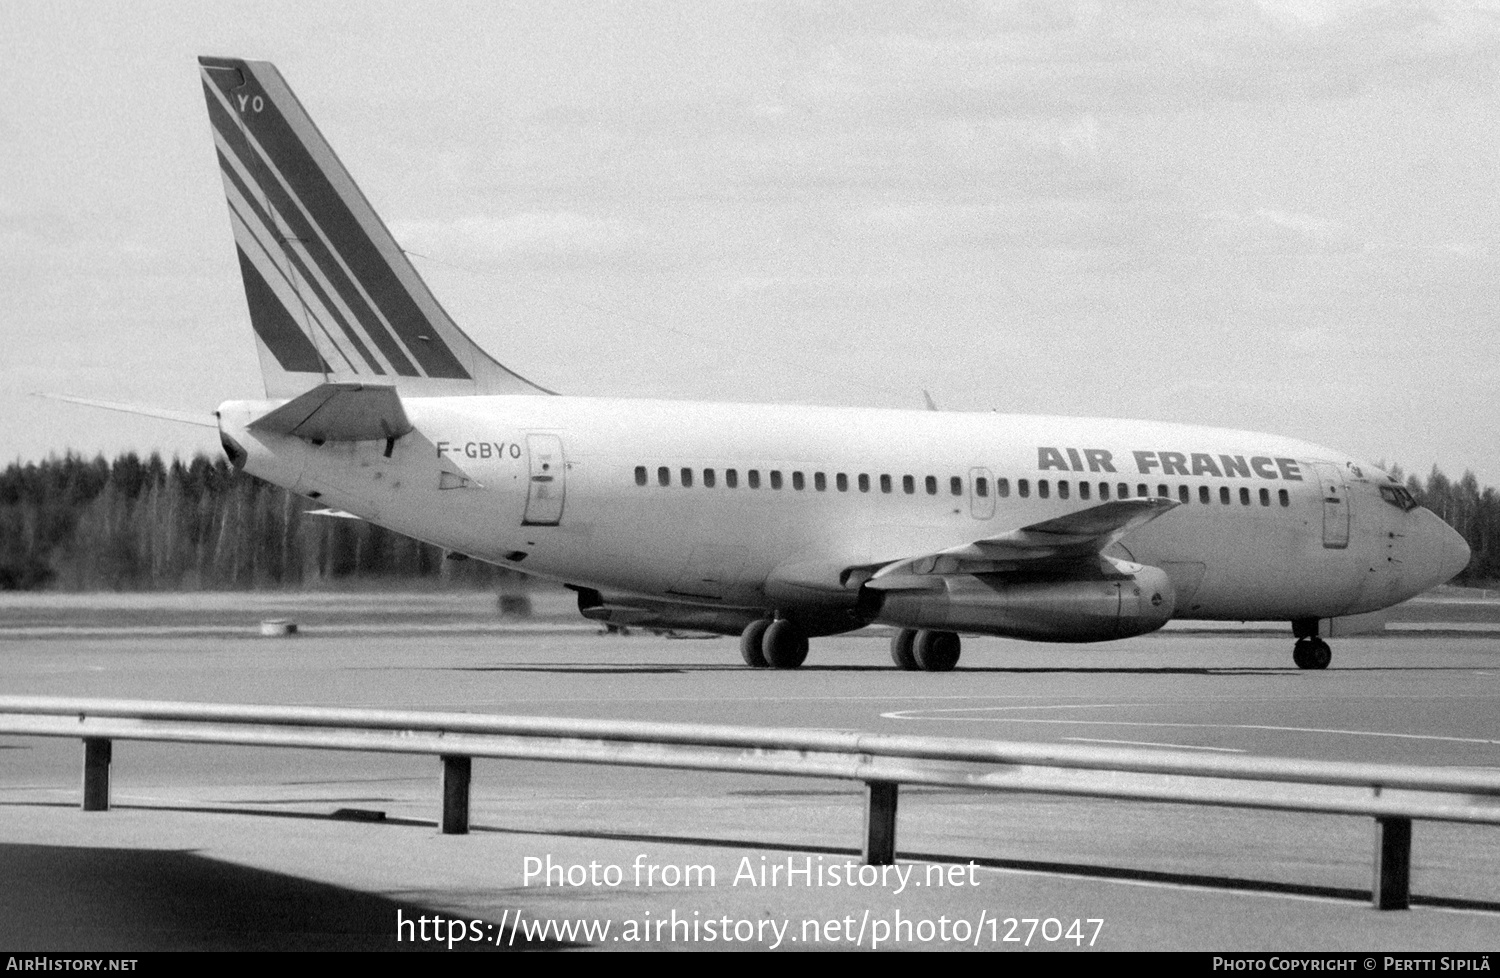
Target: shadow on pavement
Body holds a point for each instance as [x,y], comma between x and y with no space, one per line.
[66,898]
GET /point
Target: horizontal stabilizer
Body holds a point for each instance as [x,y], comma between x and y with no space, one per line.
[202,419]
[1075,536]
[339,412]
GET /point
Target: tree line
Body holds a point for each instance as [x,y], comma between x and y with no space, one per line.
[80,524]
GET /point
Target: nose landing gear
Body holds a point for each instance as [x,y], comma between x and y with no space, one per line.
[1312,653]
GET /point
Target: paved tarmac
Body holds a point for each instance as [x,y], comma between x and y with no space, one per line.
[242,848]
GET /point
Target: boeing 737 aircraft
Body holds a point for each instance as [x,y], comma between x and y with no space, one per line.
[776,523]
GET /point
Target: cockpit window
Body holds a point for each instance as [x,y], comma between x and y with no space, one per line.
[1399,497]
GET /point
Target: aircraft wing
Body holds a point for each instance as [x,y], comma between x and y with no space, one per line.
[340,412]
[1077,536]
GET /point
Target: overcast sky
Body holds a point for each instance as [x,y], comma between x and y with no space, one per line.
[1276,216]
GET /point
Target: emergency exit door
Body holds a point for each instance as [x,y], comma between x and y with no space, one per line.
[547,486]
[981,494]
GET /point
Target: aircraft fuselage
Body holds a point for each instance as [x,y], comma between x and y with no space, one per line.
[706,503]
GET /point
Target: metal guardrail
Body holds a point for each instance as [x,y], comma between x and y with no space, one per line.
[1393,795]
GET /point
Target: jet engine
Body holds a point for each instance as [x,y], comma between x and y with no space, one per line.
[1138,600]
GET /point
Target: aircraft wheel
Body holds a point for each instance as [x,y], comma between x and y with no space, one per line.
[936,651]
[750,643]
[1312,653]
[784,645]
[901,649]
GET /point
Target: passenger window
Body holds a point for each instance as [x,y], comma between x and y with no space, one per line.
[1002,488]
[820,482]
[1281,494]
[956,486]
[1103,491]
[1244,496]
[842,482]
[1062,489]
[1163,492]
[797,482]
[664,476]
[1224,495]
[908,485]
[687,478]
[1141,491]
[775,478]
[864,482]
[931,485]
[753,477]
[708,478]
[885,483]
[1083,490]
[640,475]
[1023,487]
[982,487]
[1203,496]
[731,478]
[1043,488]
[1265,497]
[1124,488]
[1184,494]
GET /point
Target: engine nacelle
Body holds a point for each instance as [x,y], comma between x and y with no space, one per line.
[1038,611]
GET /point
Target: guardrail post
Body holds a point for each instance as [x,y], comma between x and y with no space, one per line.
[97,752]
[880,822]
[456,771]
[1392,889]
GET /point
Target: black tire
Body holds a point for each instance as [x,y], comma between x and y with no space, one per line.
[750,643]
[901,649]
[936,651]
[784,645]
[1312,653]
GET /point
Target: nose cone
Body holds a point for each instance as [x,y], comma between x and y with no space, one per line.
[1455,554]
[1438,553]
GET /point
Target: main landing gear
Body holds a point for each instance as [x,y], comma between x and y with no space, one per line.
[778,644]
[1310,652]
[927,650]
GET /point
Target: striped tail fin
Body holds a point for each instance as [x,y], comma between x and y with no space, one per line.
[332,296]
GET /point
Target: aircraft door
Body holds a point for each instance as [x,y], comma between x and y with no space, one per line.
[981,494]
[1335,506]
[547,486]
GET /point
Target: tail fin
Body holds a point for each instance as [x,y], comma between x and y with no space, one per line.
[332,296]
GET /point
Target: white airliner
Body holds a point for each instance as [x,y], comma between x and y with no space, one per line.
[772,522]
